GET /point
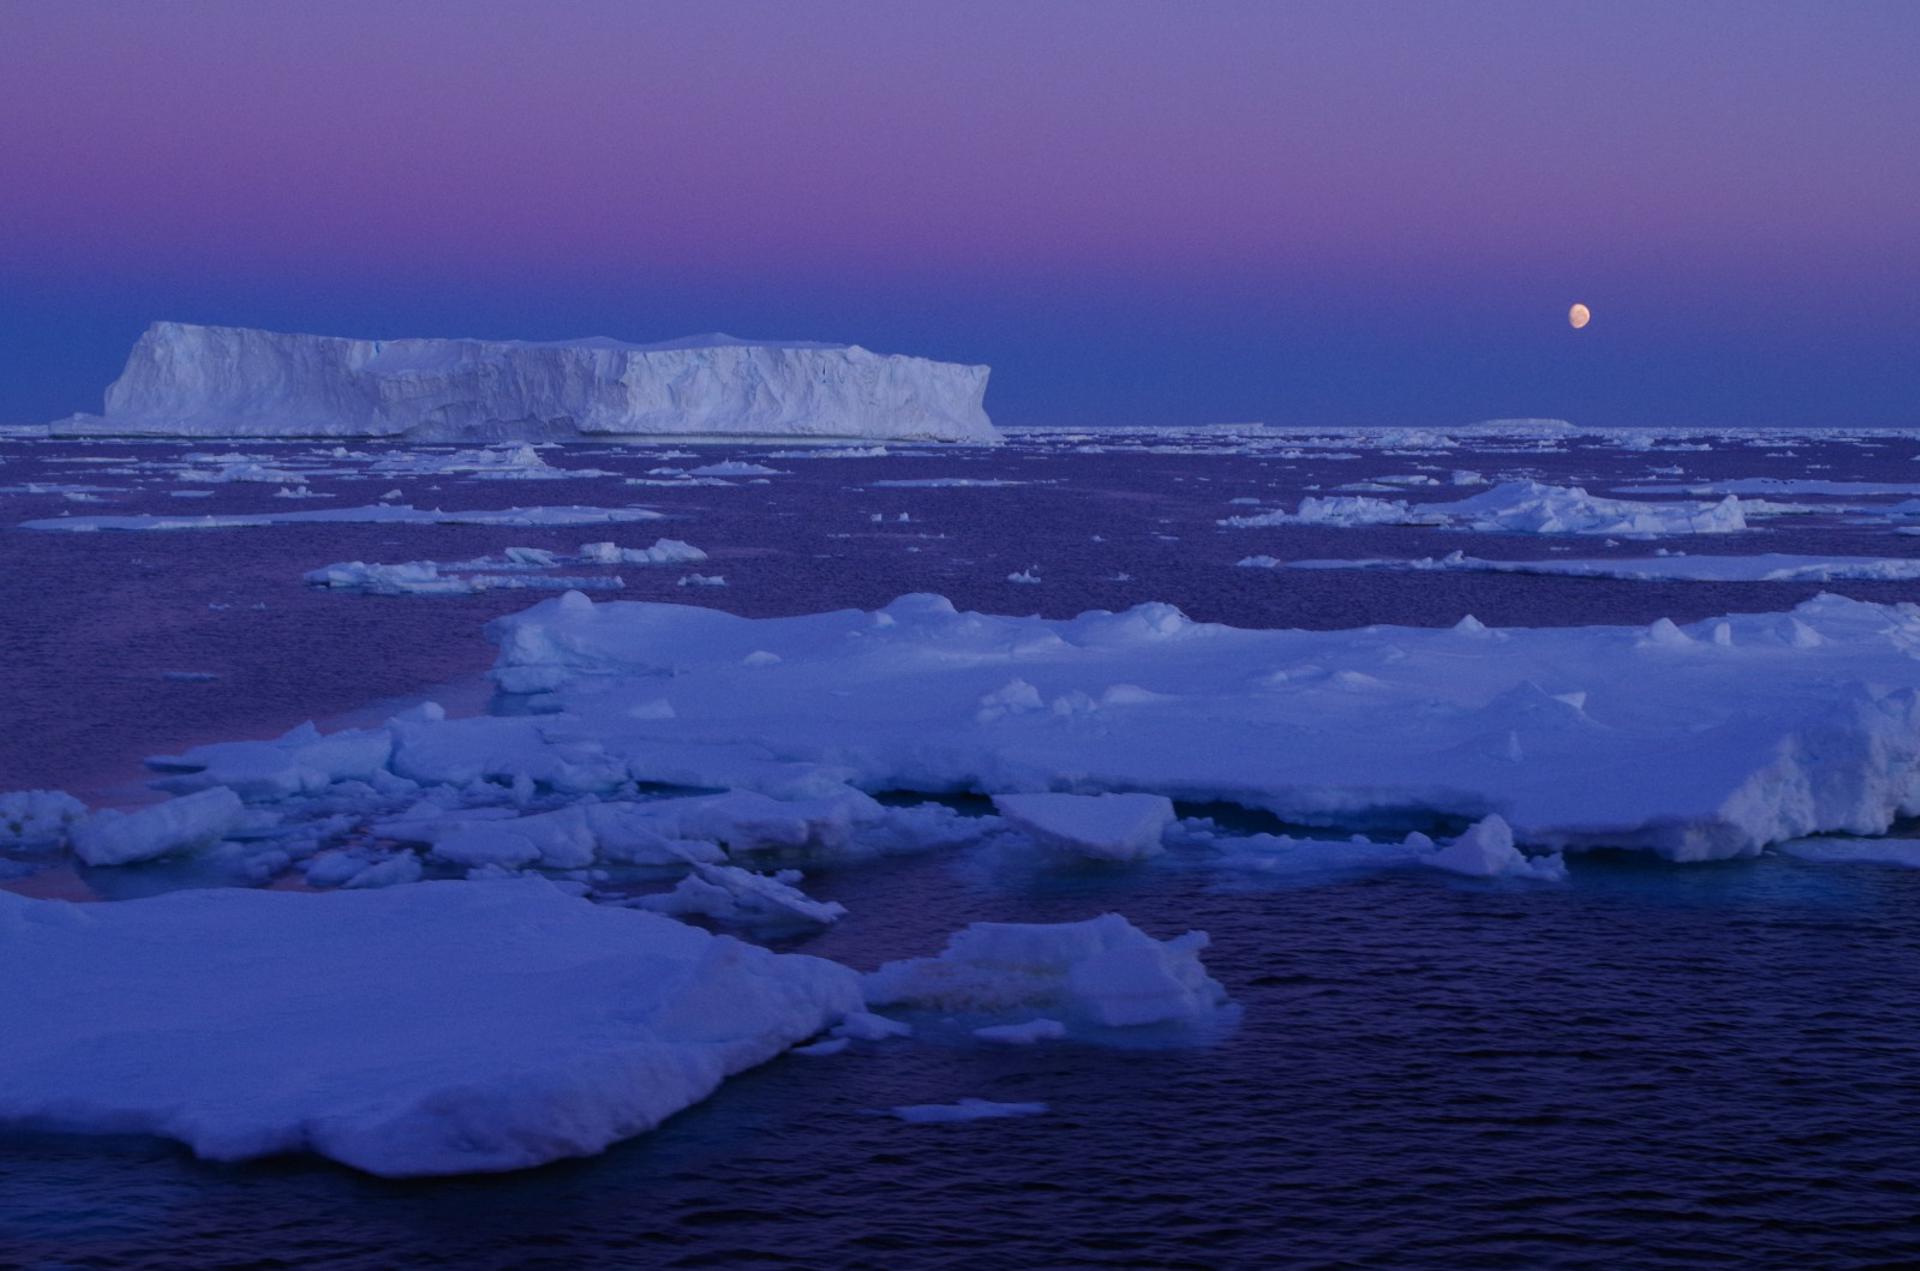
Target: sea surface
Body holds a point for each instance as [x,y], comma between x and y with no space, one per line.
[1652,1065]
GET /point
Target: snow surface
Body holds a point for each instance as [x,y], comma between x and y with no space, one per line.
[431,1028]
[187,380]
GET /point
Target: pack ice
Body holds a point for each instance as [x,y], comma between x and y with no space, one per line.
[1515,507]
[429,1028]
[1767,567]
[182,379]
[1697,742]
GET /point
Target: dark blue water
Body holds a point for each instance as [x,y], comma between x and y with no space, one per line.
[1651,1066]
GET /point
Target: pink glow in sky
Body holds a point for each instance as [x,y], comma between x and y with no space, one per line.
[983,180]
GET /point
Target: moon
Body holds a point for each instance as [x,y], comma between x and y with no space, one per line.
[1579,316]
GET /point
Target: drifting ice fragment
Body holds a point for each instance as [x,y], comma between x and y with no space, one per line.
[1110,827]
[1104,971]
[431,1028]
[109,837]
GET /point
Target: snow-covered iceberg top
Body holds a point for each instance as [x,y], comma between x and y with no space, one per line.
[183,379]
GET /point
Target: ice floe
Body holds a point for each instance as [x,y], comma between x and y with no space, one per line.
[944,483]
[728,893]
[424,578]
[1103,972]
[666,551]
[377,514]
[1516,507]
[1112,827]
[521,462]
[966,1110]
[112,837]
[1765,567]
[1032,1031]
[1701,741]
[38,819]
[1776,485]
[428,1028]
[1486,850]
[1843,851]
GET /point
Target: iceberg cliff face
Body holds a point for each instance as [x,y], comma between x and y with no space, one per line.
[233,381]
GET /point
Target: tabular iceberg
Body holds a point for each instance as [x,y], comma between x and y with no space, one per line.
[191,380]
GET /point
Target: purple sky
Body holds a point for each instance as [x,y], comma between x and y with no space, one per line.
[1136,213]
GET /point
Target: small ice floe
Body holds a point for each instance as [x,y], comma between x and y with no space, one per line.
[378,514]
[1846,851]
[734,468]
[865,1026]
[242,472]
[423,578]
[945,483]
[1034,1030]
[965,1110]
[1030,576]
[1516,507]
[460,578]
[511,462]
[1103,972]
[111,837]
[832,452]
[1106,827]
[1487,850]
[665,551]
[730,894]
[1786,486]
[1772,567]
[38,820]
